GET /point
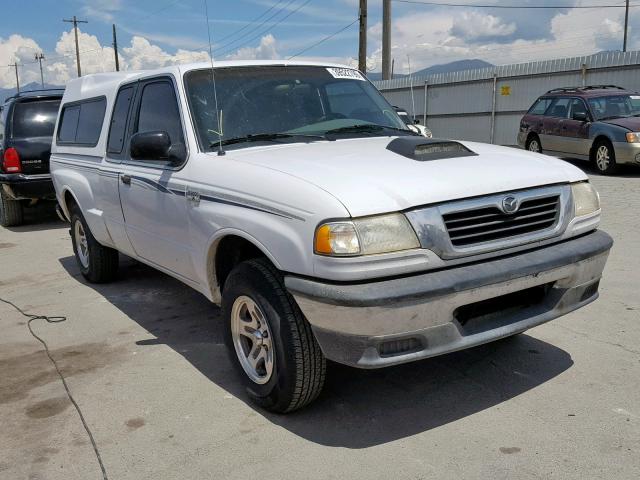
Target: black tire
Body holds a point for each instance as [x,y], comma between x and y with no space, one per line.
[102,264]
[299,367]
[533,144]
[602,165]
[11,213]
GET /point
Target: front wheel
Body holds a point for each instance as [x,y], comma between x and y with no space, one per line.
[604,157]
[98,264]
[269,340]
[533,144]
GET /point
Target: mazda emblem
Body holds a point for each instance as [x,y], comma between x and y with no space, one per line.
[510,204]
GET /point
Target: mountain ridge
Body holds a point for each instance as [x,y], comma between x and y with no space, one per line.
[456,66]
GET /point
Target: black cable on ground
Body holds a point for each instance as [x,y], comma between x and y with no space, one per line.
[59,319]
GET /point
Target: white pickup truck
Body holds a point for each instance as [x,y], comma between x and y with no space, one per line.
[293,195]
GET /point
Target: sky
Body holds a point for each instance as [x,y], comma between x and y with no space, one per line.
[153,33]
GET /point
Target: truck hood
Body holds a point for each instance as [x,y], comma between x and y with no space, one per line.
[369,179]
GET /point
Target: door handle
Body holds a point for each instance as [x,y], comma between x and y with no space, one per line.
[126,179]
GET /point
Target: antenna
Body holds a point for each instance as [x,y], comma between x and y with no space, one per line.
[213,81]
[413,103]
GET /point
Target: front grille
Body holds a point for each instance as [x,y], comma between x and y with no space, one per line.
[488,224]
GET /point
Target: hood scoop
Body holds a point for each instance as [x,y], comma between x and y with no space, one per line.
[423,150]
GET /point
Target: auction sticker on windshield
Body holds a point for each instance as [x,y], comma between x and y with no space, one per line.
[345,73]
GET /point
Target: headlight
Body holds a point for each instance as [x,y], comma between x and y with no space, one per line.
[585,199]
[633,137]
[366,236]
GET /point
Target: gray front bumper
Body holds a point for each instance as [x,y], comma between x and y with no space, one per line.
[387,322]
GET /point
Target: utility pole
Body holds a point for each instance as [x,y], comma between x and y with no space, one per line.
[362,48]
[115,48]
[386,39]
[75,22]
[626,25]
[39,58]
[15,65]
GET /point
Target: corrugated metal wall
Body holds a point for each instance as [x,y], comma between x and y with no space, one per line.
[460,104]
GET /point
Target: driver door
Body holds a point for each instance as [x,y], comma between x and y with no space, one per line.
[152,193]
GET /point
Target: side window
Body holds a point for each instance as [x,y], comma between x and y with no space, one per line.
[540,106]
[81,123]
[159,111]
[68,124]
[559,108]
[118,127]
[577,106]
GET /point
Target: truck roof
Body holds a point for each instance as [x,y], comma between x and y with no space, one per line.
[98,84]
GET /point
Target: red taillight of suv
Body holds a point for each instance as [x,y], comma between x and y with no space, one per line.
[11,161]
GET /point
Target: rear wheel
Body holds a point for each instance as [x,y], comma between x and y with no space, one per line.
[533,144]
[604,157]
[269,340]
[11,214]
[98,264]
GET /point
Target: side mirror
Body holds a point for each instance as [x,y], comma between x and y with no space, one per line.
[416,121]
[580,116]
[153,146]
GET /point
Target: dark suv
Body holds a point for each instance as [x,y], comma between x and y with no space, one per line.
[600,123]
[27,121]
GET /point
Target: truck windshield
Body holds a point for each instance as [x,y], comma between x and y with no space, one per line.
[615,106]
[34,118]
[298,103]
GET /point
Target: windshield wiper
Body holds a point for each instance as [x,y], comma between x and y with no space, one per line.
[264,137]
[367,128]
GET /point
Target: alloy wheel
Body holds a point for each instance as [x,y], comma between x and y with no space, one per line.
[82,245]
[603,158]
[534,146]
[252,340]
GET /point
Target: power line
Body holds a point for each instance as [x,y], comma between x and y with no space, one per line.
[248,24]
[297,9]
[272,16]
[519,7]
[324,39]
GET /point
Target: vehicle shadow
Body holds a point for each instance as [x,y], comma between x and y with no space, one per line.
[357,408]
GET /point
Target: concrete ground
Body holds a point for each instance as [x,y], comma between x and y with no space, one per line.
[145,361]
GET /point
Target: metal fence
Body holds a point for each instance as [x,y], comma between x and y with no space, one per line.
[486,104]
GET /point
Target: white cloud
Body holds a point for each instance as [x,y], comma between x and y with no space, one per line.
[20,49]
[441,36]
[266,50]
[60,65]
[474,26]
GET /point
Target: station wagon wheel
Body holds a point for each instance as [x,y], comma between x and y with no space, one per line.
[604,157]
[269,340]
[97,263]
[533,144]
[252,339]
